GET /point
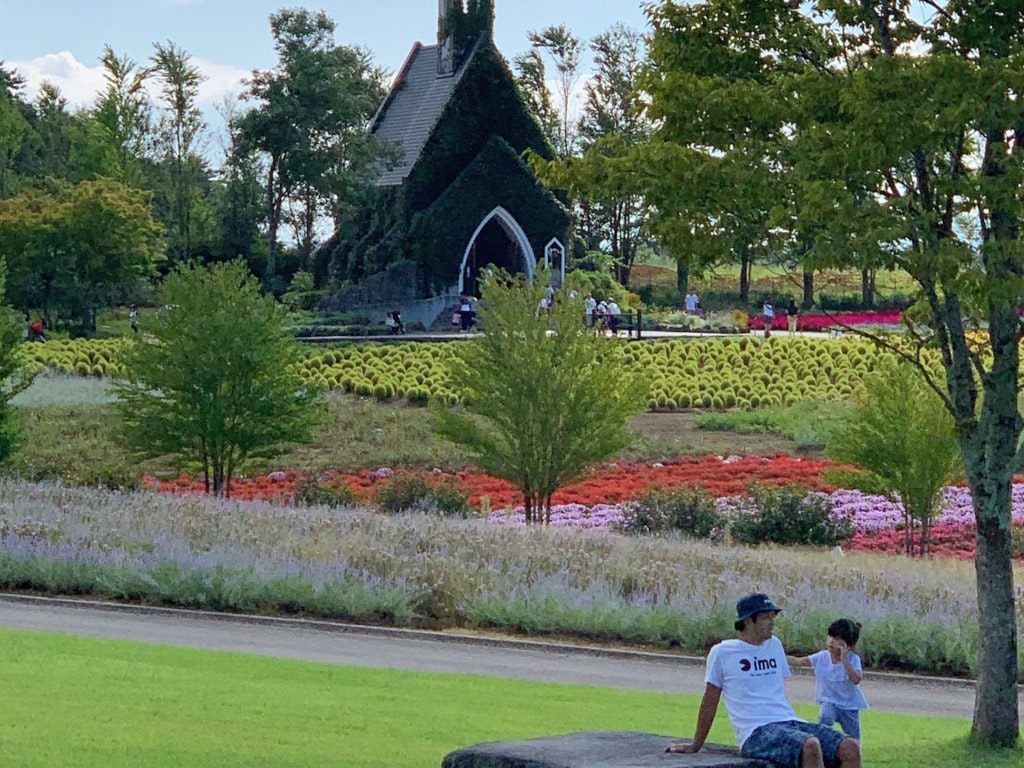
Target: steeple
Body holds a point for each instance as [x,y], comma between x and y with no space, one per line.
[460,23]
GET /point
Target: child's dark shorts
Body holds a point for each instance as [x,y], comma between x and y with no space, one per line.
[783,742]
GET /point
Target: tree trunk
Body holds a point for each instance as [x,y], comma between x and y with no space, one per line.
[989,459]
[273,220]
[867,287]
[808,300]
[745,277]
[682,276]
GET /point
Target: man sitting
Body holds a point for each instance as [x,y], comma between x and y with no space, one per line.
[751,672]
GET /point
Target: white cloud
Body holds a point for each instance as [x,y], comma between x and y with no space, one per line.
[222,79]
[81,84]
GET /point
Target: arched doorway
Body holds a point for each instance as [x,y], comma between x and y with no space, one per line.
[498,240]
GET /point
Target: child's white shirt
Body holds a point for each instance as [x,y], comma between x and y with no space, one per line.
[831,683]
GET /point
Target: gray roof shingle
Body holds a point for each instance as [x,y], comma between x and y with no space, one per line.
[413,107]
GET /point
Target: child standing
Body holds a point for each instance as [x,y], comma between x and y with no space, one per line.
[837,676]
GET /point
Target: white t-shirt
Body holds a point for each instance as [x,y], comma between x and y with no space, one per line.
[691,302]
[769,310]
[831,683]
[752,679]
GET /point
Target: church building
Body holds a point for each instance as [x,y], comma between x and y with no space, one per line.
[456,194]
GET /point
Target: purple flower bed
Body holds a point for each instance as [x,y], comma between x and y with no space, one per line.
[869,512]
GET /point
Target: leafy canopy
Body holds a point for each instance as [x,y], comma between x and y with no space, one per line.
[547,398]
[901,434]
[213,380]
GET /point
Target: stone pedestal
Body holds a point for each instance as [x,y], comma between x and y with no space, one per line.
[595,749]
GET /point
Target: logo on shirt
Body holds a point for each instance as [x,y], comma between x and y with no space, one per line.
[758,665]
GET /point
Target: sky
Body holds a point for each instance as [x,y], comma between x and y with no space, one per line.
[62,40]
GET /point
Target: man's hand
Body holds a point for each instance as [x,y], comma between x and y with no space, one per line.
[684,748]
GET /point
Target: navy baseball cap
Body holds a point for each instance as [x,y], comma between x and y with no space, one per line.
[754,604]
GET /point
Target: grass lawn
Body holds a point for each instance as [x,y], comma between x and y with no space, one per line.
[84,702]
[70,429]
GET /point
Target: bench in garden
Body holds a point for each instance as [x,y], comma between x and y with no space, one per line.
[596,749]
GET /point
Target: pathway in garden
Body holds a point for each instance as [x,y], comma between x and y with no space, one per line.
[434,652]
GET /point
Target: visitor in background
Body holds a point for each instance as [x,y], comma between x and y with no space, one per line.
[613,316]
[466,313]
[769,316]
[692,303]
[792,313]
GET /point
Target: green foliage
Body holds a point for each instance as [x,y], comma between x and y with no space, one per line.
[690,511]
[548,397]
[788,515]
[903,436]
[413,492]
[74,250]
[16,373]
[217,382]
[308,122]
[497,176]
[313,491]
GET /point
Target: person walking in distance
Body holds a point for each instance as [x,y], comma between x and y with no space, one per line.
[750,672]
[792,315]
[769,316]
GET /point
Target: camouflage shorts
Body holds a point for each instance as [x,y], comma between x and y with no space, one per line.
[783,743]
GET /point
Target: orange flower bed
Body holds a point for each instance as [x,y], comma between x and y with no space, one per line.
[606,484]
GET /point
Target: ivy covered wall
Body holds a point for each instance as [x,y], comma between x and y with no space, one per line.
[469,165]
[498,176]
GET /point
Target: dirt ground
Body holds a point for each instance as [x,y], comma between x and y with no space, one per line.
[677,433]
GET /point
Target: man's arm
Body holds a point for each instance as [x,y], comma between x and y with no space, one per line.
[705,719]
[798,661]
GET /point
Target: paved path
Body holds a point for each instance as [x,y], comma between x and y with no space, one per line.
[435,652]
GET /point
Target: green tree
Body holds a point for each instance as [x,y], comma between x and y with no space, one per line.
[123,118]
[531,83]
[716,174]
[180,135]
[14,129]
[15,371]
[213,381]
[565,50]
[902,436]
[544,405]
[902,123]
[77,248]
[309,123]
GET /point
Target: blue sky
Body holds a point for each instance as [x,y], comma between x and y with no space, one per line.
[61,40]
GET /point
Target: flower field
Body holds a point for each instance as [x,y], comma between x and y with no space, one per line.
[601,500]
[425,570]
[808,321]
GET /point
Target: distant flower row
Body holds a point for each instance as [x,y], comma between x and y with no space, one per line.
[820,321]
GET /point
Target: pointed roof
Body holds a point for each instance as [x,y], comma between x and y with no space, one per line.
[413,106]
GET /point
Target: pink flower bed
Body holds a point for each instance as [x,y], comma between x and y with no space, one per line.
[822,321]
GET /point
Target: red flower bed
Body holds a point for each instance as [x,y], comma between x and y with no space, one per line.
[946,541]
[820,322]
[607,484]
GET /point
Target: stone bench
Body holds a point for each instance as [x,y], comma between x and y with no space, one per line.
[595,749]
